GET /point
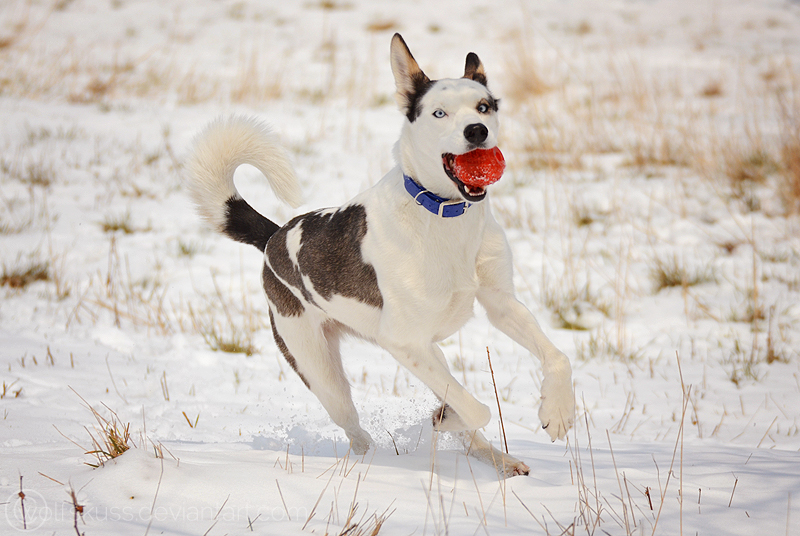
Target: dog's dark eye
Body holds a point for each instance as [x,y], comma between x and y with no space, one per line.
[483,108]
[439,113]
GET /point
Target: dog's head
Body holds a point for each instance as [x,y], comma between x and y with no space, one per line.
[445,118]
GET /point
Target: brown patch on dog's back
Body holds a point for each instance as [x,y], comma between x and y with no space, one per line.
[281,262]
[330,255]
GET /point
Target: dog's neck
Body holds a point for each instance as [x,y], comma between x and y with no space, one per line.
[445,208]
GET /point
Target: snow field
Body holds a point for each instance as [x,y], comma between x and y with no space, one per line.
[648,200]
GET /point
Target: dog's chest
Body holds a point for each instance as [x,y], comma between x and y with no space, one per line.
[426,269]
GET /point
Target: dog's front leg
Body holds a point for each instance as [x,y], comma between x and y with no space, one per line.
[427,362]
[513,318]
[496,294]
[460,412]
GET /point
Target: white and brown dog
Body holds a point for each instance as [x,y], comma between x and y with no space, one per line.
[400,265]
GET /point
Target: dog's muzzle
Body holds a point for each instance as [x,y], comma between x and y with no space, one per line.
[473,194]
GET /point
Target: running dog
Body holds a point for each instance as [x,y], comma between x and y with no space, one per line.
[399,265]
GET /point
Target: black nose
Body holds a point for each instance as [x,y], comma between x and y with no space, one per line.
[476,133]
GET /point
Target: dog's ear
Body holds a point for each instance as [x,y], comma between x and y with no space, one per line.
[474,69]
[410,81]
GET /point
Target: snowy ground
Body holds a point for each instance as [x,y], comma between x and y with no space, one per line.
[647,141]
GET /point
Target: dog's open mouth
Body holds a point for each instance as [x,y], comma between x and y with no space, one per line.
[474,170]
[469,192]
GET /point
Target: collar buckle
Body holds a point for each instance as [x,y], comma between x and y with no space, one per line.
[458,207]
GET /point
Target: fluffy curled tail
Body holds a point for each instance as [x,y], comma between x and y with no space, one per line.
[218,150]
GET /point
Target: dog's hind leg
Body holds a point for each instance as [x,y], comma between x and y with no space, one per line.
[476,445]
[311,348]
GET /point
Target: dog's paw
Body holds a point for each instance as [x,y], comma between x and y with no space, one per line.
[557,411]
[513,467]
[360,443]
[479,448]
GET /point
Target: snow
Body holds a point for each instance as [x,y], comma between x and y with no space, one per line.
[688,402]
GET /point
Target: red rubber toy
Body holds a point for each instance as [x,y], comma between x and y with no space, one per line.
[479,167]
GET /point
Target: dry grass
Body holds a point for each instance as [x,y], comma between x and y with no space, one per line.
[227,323]
[619,107]
[524,73]
[674,271]
[30,168]
[712,89]
[29,69]
[658,149]
[119,223]
[602,343]
[235,331]
[189,248]
[742,362]
[330,5]
[633,508]
[382,25]
[110,437]
[746,164]
[88,73]
[789,174]
[140,303]
[24,274]
[232,341]
[369,526]
[748,156]
[8,391]
[257,80]
[10,225]
[576,308]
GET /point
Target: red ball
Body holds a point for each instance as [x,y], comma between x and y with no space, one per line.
[479,167]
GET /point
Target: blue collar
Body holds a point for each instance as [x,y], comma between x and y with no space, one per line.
[446,208]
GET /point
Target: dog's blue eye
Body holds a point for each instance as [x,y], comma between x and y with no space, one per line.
[439,114]
[483,108]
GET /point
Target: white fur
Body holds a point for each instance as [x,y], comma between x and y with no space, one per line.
[223,146]
[430,270]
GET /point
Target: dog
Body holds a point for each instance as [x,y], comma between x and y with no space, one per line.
[399,265]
